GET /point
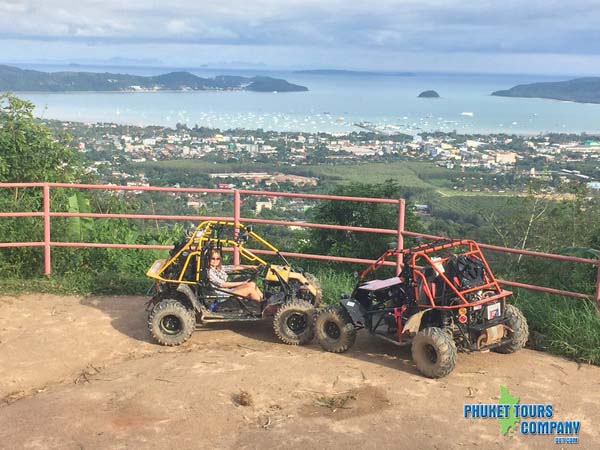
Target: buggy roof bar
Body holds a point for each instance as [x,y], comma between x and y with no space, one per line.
[217,225]
[419,250]
[209,232]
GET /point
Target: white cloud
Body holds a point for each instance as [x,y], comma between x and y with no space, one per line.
[419,26]
[178,26]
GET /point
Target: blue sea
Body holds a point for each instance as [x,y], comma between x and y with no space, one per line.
[334,103]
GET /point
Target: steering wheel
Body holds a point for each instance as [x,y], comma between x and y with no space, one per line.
[251,273]
[259,271]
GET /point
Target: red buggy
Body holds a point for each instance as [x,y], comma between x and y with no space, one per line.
[445,298]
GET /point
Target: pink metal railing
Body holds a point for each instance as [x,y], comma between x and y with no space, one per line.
[399,231]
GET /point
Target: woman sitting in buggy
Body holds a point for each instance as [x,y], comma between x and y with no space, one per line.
[218,274]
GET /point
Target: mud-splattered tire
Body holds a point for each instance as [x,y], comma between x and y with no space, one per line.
[171,323]
[519,331]
[317,285]
[294,322]
[434,352]
[334,329]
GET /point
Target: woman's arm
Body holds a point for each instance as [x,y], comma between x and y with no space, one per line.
[241,267]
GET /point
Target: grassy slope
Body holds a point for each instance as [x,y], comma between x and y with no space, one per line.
[405,173]
[564,326]
[421,175]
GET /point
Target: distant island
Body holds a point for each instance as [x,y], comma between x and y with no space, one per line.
[429,94]
[580,90]
[353,73]
[15,79]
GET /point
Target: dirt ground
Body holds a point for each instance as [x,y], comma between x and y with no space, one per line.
[84,373]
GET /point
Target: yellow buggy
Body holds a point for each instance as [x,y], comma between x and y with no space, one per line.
[184,297]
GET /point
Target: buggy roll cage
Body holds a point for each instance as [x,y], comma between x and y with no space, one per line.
[413,277]
[208,235]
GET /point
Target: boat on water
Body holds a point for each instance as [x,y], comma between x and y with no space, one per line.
[467,113]
[365,125]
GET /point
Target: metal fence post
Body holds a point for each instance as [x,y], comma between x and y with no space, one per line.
[46,206]
[400,245]
[236,219]
[598,289]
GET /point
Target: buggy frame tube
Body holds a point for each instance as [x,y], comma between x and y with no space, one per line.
[598,288]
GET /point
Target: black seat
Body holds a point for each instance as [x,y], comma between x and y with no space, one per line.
[431,280]
[207,290]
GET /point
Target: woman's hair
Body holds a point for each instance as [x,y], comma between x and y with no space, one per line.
[216,252]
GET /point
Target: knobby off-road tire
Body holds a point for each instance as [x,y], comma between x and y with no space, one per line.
[434,352]
[519,331]
[334,329]
[317,285]
[294,322]
[171,323]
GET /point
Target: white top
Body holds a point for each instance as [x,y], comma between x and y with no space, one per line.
[218,277]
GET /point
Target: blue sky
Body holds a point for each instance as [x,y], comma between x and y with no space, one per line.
[535,36]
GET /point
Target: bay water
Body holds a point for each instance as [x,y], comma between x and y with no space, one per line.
[334,103]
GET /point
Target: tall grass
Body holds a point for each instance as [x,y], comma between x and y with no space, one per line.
[563,326]
[334,284]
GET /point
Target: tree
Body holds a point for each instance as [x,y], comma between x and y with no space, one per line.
[359,214]
[28,150]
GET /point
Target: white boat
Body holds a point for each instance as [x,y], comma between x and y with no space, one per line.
[467,113]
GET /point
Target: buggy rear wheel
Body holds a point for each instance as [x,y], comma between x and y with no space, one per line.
[518,330]
[171,323]
[335,331]
[314,282]
[434,352]
[294,322]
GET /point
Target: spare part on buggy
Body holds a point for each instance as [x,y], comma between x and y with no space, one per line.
[444,299]
[184,297]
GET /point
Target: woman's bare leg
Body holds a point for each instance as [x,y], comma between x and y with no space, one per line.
[249,290]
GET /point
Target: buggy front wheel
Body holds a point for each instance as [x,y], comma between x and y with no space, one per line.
[294,322]
[434,352]
[171,323]
[334,329]
[517,329]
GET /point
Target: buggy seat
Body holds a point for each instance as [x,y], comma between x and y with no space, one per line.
[432,285]
[375,285]
[207,291]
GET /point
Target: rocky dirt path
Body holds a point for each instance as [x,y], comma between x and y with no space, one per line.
[83,373]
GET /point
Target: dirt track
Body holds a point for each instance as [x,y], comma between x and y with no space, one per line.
[83,373]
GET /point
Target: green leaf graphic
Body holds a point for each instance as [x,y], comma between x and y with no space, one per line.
[511,421]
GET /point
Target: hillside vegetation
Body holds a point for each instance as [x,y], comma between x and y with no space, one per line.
[581,90]
[15,79]
[29,153]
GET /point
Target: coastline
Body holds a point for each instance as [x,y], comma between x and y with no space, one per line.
[332,105]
